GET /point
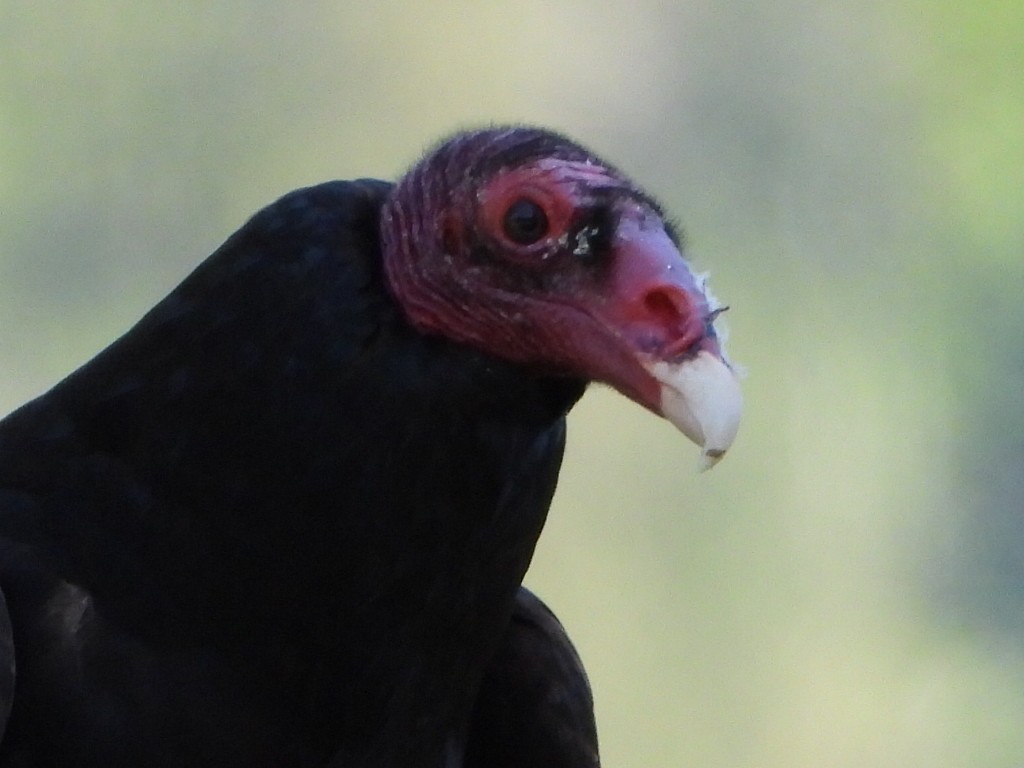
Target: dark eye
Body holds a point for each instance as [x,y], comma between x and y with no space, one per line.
[525,222]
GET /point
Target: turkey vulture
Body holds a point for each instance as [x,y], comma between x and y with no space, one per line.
[283,520]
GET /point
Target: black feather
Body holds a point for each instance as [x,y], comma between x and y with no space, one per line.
[271,525]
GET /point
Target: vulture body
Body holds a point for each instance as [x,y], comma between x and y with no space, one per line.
[284,520]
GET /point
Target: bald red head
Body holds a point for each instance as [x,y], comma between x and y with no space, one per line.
[527,246]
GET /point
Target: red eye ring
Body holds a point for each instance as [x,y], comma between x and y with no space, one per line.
[526,209]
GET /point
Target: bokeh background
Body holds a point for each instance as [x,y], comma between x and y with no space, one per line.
[847,589]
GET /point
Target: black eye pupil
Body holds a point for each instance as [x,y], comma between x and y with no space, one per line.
[525,222]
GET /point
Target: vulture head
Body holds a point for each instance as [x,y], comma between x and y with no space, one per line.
[522,243]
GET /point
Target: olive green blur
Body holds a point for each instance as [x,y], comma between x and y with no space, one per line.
[846,589]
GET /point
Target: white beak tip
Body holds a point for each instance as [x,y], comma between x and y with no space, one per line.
[701,396]
[709,457]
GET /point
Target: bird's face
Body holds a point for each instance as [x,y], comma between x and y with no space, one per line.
[528,247]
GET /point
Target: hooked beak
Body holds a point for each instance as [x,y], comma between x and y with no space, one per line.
[701,397]
[662,313]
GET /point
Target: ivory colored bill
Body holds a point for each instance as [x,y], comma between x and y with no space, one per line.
[701,397]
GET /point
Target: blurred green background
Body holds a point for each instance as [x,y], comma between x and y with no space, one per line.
[847,589]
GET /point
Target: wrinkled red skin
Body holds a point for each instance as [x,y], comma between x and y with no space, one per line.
[605,291]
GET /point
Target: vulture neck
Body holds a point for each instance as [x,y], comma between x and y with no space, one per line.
[249,468]
[395,529]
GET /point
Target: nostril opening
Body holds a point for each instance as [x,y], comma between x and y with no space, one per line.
[681,328]
[661,305]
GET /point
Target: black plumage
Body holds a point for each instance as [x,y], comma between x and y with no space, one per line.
[534,706]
